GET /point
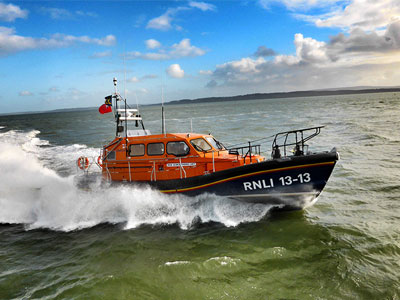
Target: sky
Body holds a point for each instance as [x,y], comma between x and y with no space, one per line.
[64,54]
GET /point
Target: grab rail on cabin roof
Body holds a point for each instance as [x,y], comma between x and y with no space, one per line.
[249,150]
[296,138]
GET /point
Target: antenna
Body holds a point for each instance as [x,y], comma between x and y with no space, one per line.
[116,103]
[163,129]
[115,83]
[124,74]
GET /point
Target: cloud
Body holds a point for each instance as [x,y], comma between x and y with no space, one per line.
[175,71]
[12,43]
[147,56]
[145,77]
[263,51]
[25,94]
[358,41]
[10,12]
[205,72]
[56,13]
[211,84]
[75,93]
[139,20]
[367,15]
[152,44]
[309,50]
[164,22]
[177,50]
[357,58]
[81,13]
[202,6]
[54,89]
[185,49]
[63,14]
[133,79]
[108,40]
[298,4]
[102,54]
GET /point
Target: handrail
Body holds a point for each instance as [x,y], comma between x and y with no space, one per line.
[251,151]
[181,168]
[213,162]
[108,172]
[299,143]
[153,171]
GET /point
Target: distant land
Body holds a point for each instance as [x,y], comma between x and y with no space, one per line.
[257,96]
[295,94]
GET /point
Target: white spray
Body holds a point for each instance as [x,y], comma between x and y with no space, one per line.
[34,194]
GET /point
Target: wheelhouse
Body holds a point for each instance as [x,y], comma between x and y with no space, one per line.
[167,156]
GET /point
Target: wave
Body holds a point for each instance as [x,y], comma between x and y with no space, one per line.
[32,192]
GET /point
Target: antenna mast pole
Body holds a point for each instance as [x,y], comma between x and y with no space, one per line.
[162,112]
[116,103]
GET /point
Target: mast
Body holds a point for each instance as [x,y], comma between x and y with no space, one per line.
[116,114]
[123,114]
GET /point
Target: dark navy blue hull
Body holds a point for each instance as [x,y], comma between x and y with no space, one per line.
[294,182]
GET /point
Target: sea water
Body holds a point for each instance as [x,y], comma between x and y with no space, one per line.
[59,241]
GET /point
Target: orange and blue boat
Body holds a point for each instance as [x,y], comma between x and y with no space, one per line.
[192,164]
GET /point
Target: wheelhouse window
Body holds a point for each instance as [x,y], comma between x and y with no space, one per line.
[136,150]
[111,155]
[178,148]
[200,144]
[155,149]
[213,142]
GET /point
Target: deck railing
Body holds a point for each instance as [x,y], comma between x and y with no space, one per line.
[294,140]
[246,151]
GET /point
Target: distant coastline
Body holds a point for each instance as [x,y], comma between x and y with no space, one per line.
[256,96]
[295,94]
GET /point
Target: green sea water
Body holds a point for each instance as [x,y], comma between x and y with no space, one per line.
[58,241]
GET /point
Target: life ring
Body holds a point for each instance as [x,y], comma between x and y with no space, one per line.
[99,161]
[83,163]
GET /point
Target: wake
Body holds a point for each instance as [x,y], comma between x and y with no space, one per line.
[33,193]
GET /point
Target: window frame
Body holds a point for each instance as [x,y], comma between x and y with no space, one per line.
[147,149]
[179,155]
[144,150]
[195,146]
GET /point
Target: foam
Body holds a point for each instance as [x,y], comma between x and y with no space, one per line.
[179,262]
[33,193]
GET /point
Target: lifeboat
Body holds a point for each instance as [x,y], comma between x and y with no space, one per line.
[192,164]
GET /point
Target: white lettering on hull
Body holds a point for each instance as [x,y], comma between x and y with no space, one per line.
[283,181]
[259,184]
